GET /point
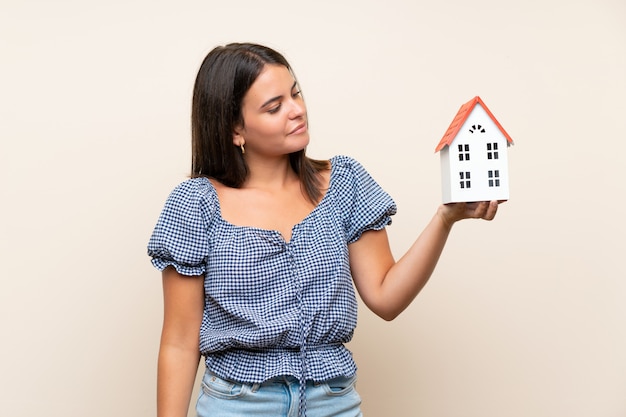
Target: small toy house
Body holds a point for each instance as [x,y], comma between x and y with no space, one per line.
[474,160]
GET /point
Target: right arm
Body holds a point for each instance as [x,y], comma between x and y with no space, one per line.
[179,354]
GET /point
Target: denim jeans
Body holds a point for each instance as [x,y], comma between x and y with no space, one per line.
[278,397]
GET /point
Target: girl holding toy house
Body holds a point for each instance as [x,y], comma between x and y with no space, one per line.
[260,252]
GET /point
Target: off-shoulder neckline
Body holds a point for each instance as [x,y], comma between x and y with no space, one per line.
[334,165]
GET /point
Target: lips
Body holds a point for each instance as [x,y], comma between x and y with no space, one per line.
[299,129]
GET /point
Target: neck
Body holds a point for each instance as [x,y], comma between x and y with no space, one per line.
[266,173]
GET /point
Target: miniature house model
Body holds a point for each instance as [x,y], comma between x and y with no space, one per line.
[474,163]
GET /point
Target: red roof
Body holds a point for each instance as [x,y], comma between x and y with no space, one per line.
[460,118]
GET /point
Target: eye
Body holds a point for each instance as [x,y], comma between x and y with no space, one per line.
[274,109]
[296,93]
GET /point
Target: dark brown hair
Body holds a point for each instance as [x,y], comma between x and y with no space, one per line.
[225,76]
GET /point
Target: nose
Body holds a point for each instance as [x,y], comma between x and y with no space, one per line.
[298,109]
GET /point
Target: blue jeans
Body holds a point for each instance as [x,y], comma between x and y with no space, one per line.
[277,397]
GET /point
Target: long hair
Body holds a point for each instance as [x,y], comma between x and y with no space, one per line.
[225,76]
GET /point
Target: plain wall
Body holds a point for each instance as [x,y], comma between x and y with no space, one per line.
[524,316]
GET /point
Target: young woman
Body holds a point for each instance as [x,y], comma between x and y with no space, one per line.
[261,249]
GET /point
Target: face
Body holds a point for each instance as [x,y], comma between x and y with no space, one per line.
[274,115]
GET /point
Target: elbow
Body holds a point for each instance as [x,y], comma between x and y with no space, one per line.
[384,308]
[389,317]
[387,314]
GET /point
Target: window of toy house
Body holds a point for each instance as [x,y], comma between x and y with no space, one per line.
[465,179]
[464,152]
[494,178]
[492,151]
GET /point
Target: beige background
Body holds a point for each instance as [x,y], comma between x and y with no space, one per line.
[525,316]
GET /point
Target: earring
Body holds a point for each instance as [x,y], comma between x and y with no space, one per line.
[243,151]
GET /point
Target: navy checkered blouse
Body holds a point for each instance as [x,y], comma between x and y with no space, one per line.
[274,307]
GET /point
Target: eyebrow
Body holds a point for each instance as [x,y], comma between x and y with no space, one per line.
[271,100]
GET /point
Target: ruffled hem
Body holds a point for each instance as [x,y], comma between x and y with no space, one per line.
[379,225]
[259,366]
[161,264]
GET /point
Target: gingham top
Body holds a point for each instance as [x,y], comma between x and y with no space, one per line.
[273,307]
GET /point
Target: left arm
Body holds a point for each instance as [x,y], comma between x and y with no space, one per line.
[388,287]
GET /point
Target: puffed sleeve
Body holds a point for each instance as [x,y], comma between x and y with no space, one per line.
[181,235]
[364,204]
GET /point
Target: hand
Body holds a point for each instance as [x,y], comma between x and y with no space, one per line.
[453,212]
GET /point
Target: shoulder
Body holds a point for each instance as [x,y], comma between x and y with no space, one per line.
[180,236]
[193,187]
[350,178]
[346,169]
[343,161]
[194,193]
[343,164]
[362,202]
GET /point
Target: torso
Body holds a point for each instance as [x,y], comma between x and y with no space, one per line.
[266,297]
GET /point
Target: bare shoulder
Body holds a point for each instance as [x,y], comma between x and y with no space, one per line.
[217,185]
[226,194]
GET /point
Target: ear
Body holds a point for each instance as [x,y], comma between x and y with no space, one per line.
[238,138]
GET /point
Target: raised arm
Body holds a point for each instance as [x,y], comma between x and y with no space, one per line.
[179,353]
[388,287]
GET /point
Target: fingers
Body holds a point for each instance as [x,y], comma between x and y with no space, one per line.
[482,210]
[454,212]
[490,208]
